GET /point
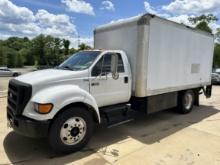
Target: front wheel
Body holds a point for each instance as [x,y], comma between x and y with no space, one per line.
[71,130]
[186,101]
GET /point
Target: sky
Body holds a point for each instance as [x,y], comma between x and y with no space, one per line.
[72,18]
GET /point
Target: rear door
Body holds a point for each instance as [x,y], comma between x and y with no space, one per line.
[106,89]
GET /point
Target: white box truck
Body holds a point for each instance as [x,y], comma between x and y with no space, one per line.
[139,65]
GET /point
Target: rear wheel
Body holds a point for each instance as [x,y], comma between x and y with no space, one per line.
[71,130]
[186,101]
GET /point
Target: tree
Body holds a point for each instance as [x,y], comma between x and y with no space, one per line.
[216,60]
[38,46]
[19,61]
[83,46]
[14,43]
[53,51]
[3,56]
[202,21]
[72,51]
[28,58]
[66,44]
[11,58]
[45,50]
[217,35]
[204,26]
[203,18]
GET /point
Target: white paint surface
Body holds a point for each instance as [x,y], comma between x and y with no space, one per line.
[166,57]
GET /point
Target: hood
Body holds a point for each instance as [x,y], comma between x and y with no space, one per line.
[48,76]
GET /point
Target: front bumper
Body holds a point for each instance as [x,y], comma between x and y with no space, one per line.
[28,127]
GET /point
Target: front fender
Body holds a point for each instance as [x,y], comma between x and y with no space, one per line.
[60,96]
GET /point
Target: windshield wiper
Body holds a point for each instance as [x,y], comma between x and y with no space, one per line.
[64,67]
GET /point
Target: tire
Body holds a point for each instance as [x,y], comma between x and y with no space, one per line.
[68,127]
[15,74]
[186,101]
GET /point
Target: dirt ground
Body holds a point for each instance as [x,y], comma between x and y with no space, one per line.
[164,138]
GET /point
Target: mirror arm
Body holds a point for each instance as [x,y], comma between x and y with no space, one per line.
[114,64]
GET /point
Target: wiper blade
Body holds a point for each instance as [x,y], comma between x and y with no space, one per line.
[64,67]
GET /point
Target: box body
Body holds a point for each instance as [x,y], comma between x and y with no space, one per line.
[164,56]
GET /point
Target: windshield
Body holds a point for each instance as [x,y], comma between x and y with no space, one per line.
[80,61]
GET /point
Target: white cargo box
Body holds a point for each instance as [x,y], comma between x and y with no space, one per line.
[164,56]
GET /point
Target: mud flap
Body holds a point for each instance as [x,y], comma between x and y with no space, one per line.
[208,91]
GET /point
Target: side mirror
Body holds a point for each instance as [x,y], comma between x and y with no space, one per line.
[114,66]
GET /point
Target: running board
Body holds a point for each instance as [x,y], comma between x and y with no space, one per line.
[116,115]
[122,122]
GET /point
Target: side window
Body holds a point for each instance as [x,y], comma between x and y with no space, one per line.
[107,63]
[97,69]
[120,64]
[104,65]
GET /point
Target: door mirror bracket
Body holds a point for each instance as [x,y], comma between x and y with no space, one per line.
[114,67]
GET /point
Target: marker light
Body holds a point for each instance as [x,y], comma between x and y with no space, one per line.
[43,108]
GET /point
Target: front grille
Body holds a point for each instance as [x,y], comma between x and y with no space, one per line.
[19,94]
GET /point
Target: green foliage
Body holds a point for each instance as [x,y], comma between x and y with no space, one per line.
[3,56]
[16,43]
[83,46]
[66,44]
[204,26]
[216,60]
[217,35]
[13,51]
[42,50]
[53,52]
[11,57]
[203,18]
[72,51]
[202,21]
[27,56]
[38,46]
[19,61]
[47,50]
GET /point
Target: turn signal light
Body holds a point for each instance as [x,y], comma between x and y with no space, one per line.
[43,108]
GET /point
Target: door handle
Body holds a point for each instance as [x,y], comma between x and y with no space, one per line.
[95,84]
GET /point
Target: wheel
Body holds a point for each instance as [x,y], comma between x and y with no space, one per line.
[15,74]
[186,101]
[71,130]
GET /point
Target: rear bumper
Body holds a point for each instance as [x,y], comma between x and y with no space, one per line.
[28,127]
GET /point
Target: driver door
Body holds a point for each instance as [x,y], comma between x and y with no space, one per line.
[104,88]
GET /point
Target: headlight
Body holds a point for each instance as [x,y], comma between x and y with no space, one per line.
[43,108]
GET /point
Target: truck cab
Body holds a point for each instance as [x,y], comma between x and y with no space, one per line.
[83,84]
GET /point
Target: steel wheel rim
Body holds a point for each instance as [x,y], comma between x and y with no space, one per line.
[73,131]
[188,99]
